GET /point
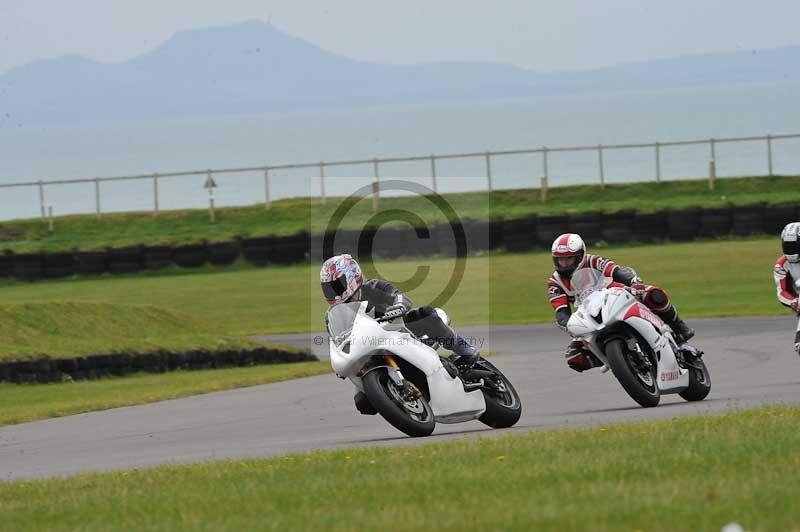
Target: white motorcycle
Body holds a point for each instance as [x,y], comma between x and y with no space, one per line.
[634,342]
[406,381]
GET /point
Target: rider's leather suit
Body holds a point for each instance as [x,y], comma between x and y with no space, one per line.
[787,277]
[561,295]
[423,321]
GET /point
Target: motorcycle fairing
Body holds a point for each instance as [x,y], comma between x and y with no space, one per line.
[449,402]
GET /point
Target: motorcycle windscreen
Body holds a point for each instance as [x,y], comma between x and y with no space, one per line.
[340,320]
[586,281]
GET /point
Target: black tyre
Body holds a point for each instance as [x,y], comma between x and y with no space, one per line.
[699,382]
[415,418]
[503,407]
[639,382]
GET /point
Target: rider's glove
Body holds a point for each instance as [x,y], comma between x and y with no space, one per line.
[796,305]
[639,290]
[397,310]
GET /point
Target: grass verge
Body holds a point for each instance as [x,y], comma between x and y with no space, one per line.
[73,328]
[712,278]
[304,214]
[29,402]
[686,474]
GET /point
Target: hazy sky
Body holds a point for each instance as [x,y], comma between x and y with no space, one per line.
[542,35]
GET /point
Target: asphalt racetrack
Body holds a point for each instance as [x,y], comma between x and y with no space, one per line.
[750,359]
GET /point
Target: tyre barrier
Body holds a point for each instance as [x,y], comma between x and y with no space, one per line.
[157,257]
[519,235]
[589,225]
[515,235]
[496,236]
[6,265]
[548,228]
[478,235]
[124,260]
[617,227]
[650,226]
[28,267]
[45,370]
[777,216]
[290,249]
[747,220]
[223,253]
[256,251]
[683,224]
[715,222]
[90,262]
[190,256]
[58,265]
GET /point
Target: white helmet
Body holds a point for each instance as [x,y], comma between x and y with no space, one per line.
[568,252]
[790,241]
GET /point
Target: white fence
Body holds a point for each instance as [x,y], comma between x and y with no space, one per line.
[373,168]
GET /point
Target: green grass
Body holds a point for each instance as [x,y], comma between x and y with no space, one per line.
[712,278]
[685,474]
[61,329]
[304,214]
[28,402]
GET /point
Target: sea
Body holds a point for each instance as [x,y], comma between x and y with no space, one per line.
[33,152]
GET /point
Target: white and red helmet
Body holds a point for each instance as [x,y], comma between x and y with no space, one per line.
[341,279]
[568,253]
[790,242]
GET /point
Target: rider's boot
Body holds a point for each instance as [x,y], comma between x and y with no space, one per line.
[683,333]
[363,405]
[579,358]
[464,353]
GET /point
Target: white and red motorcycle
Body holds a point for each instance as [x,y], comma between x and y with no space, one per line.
[634,343]
[405,380]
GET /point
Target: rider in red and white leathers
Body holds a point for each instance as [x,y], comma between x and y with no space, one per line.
[569,255]
[787,273]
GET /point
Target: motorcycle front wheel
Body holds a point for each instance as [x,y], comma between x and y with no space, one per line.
[411,416]
[503,405]
[637,379]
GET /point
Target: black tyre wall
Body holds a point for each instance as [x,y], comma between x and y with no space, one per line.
[157,257]
[650,227]
[91,262]
[124,260]
[683,224]
[715,222]
[588,225]
[618,227]
[223,253]
[191,256]
[777,216]
[747,220]
[550,227]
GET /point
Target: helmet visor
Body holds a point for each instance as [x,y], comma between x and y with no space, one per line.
[335,288]
[569,262]
[791,247]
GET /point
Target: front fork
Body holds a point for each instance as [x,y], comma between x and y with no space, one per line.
[407,388]
[396,375]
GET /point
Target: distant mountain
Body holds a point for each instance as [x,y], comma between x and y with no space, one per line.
[253,67]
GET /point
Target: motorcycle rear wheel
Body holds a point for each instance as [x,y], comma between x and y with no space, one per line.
[699,382]
[646,395]
[415,419]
